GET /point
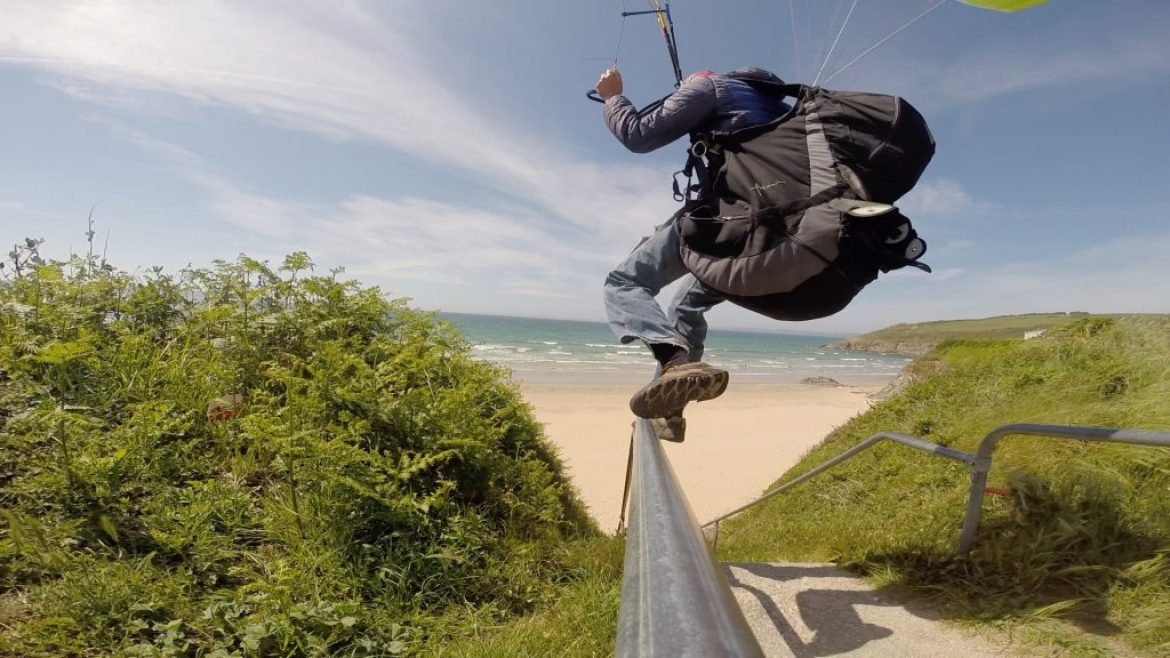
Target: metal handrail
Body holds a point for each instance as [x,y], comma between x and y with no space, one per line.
[988,444]
[674,600]
[913,442]
[979,463]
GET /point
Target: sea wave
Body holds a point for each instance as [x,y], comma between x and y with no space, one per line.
[535,346]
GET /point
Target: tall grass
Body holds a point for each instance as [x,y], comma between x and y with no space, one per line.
[254,461]
[1084,536]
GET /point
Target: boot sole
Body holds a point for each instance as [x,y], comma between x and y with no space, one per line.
[666,397]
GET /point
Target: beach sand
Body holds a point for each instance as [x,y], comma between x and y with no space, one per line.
[736,445]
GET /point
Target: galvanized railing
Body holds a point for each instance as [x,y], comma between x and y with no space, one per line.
[674,602]
[987,446]
[979,463]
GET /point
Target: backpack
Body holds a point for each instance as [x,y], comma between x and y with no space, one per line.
[793,218]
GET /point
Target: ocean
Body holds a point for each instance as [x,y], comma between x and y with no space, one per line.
[565,351]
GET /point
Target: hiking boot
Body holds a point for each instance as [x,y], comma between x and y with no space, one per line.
[673,428]
[675,387]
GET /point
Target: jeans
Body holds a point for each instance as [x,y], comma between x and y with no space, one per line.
[630,290]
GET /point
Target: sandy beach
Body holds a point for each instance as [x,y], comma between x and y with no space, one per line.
[736,445]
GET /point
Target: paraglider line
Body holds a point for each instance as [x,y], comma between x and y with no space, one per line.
[618,51]
[885,39]
[837,39]
[795,41]
[838,7]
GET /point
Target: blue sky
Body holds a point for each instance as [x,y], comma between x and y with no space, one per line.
[445,151]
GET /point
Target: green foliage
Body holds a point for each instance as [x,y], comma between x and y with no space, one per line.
[245,460]
[580,621]
[1084,536]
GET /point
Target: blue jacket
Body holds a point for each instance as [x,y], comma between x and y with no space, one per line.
[704,102]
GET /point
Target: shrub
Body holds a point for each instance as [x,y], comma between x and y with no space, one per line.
[241,460]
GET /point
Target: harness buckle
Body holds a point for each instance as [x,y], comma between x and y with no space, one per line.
[702,148]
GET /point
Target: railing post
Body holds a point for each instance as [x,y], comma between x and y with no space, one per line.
[674,602]
[974,505]
[987,447]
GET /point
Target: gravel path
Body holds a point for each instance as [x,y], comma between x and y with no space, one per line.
[806,610]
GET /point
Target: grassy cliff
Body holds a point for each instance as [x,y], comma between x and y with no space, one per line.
[251,461]
[1079,549]
[919,338]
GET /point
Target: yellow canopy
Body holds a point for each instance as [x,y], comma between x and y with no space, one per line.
[1008,6]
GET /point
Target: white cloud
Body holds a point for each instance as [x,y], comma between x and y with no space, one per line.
[341,72]
[22,209]
[335,70]
[406,240]
[940,199]
[1035,64]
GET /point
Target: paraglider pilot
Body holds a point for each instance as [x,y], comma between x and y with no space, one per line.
[704,102]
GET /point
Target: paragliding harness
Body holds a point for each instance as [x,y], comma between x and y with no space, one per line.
[793,218]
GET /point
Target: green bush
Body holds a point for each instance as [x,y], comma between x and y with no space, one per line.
[243,460]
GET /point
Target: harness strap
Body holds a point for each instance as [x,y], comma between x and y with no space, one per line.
[699,165]
[777,214]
